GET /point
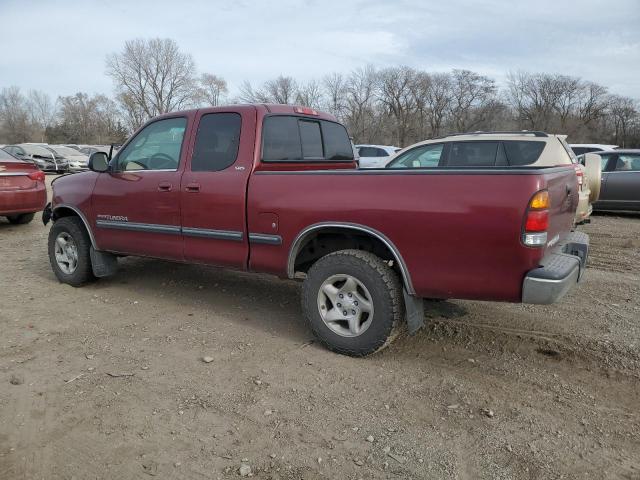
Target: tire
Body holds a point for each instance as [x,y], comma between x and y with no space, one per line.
[21,219]
[74,234]
[378,289]
[593,175]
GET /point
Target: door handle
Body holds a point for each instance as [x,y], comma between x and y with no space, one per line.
[164,186]
[192,187]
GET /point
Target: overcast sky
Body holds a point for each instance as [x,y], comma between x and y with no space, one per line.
[60,46]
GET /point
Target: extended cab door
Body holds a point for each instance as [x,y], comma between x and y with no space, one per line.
[214,188]
[136,204]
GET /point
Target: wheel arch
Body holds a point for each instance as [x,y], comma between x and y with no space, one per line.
[63,210]
[346,229]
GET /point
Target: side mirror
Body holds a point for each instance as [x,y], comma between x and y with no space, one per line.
[98,162]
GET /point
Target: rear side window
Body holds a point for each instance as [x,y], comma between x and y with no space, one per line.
[581,150]
[281,140]
[291,139]
[337,145]
[217,140]
[372,152]
[628,163]
[473,154]
[523,153]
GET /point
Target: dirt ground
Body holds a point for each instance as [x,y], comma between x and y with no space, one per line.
[108,381]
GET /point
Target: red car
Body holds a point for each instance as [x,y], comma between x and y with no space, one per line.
[275,188]
[22,189]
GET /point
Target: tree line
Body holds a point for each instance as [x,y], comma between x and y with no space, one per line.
[394,105]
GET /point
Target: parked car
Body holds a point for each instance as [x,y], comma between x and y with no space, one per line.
[375,156]
[582,148]
[504,150]
[275,189]
[620,180]
[61,160]
[41,156]
[77,161]
[22,189]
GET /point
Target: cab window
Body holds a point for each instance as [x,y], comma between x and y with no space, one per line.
[217,141]
[156,147]
[295,139]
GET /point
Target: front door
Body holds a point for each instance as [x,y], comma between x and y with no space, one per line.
[136,204]
[214,189]
[622,189]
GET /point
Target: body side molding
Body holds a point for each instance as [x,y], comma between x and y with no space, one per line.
[265,239]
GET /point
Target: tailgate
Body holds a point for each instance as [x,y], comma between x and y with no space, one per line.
[563,192]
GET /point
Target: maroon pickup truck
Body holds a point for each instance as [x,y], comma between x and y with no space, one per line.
[276,189]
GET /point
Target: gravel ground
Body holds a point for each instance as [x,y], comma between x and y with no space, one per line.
[108,381]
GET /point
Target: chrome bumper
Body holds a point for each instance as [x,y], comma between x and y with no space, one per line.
[559,271]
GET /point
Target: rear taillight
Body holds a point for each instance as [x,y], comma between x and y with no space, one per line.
[579,174]
[536,221]
[38,176]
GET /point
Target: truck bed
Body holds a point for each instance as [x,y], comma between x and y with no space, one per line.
[458,230]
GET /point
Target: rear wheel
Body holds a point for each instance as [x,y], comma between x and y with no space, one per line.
[21,219]
[69,251]
[353,302]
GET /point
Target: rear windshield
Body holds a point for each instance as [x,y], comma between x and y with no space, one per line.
[567,149]
[296,139]
[6,157]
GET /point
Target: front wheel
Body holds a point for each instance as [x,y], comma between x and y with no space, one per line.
[21,219]
[353,302]
[69,251]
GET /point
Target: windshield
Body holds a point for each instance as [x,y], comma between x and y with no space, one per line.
[6,157]
[66,151]
[37,150]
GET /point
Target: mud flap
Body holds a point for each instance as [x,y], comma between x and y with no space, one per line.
[414,306]
[103,264]
[47,213]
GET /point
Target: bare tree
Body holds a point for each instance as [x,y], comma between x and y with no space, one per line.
[42,111]
[360,104]
[437,98]
[592,102]
[395,93]
[624,113]
[212,89]
[154,74]
[281,90]
[473,98]
[310,95]
[249,95]
[15,119]
[85,119]
[335,92]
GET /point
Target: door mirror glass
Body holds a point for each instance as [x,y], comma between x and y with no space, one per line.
[98,162]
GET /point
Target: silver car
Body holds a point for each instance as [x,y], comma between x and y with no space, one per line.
[38,154]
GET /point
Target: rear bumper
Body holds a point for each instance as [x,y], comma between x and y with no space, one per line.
[559,272]
[23,201]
